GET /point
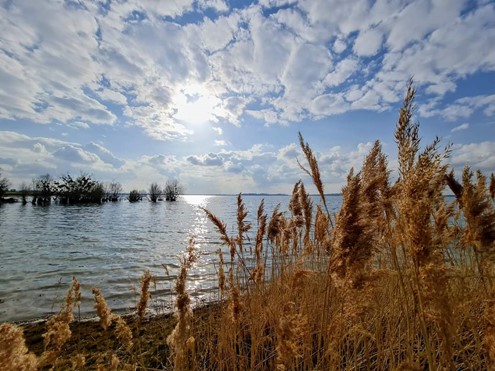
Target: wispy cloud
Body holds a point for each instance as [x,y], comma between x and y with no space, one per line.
[464,126]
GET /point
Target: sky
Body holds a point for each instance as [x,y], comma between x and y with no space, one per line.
[214,92]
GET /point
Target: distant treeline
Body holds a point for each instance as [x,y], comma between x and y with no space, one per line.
[69,190]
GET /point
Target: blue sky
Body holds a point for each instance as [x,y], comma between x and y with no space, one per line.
[213,93]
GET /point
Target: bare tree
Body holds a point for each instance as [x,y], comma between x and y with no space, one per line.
[4,185]
[113,191]
[24,191]
[43,189]
[154,192]
[172,190]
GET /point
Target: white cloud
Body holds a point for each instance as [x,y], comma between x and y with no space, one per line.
[461,107]
[280,66]
[368,43]
[342,72]
[476,155]
[464,126]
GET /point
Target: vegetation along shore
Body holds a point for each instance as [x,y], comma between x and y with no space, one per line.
[400,278]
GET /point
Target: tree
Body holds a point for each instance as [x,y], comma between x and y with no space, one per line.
[24,191]
[113,191]
[4,185]
[43,190]
[154,192]
[172,190]
[80,190]
[134,196]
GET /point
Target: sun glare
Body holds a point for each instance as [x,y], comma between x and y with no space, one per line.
[196,105]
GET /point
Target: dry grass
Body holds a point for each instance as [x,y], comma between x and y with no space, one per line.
[401,278]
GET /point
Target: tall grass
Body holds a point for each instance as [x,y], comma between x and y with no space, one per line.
[401,278]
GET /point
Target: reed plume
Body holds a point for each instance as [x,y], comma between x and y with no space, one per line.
[123,331]
[181,341]
[14,355]
[313,172]
[479,212]
[242,226]
[58,330]
[144,297]
[259,270]
[221,273]
[102,309]
[222,229]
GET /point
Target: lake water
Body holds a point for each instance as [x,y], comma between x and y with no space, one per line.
[110,246]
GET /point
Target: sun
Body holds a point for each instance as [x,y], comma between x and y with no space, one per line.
[196,105]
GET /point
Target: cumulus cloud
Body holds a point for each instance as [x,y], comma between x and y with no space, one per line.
[476,155]
[139,57]
[40,155]
[368,43]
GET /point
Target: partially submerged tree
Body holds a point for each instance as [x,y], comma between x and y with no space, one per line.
[113,191]
[80,190]
[172,190]
[134,196]
[154,192]
[24,191]
[43,190]
[4,185]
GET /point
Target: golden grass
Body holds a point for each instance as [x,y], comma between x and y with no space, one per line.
[401,278]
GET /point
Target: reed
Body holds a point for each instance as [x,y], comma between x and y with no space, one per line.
[400,278]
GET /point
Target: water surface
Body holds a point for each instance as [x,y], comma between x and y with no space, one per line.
[109,246]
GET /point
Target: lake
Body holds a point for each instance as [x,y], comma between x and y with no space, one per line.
[110,246]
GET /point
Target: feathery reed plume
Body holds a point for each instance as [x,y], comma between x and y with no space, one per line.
[295,206]
[144,297]
[420,203]
[181,340]
[58,330]
[242,227]
[322,237]
[122,331]
[259,270]
[478,211]
[352,247]
[274,227]
[14,355]
[234,303]
[407,133]
[221,273]
[290,329]
[102,309]
[313,172]
[307,207]
[222,229]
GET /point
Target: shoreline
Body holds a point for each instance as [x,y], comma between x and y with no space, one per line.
[95,344]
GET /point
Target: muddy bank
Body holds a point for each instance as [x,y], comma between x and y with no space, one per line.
[149,350]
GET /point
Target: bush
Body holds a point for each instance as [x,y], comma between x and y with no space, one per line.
[134,196]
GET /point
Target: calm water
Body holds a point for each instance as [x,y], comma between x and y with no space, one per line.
[109,246]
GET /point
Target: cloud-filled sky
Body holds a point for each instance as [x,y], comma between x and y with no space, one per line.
[214,92]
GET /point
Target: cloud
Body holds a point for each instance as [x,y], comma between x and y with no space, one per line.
[464,126]
[368,43]
[210,159]
[461,108]
[475,155]
[138,62]
[40,155]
